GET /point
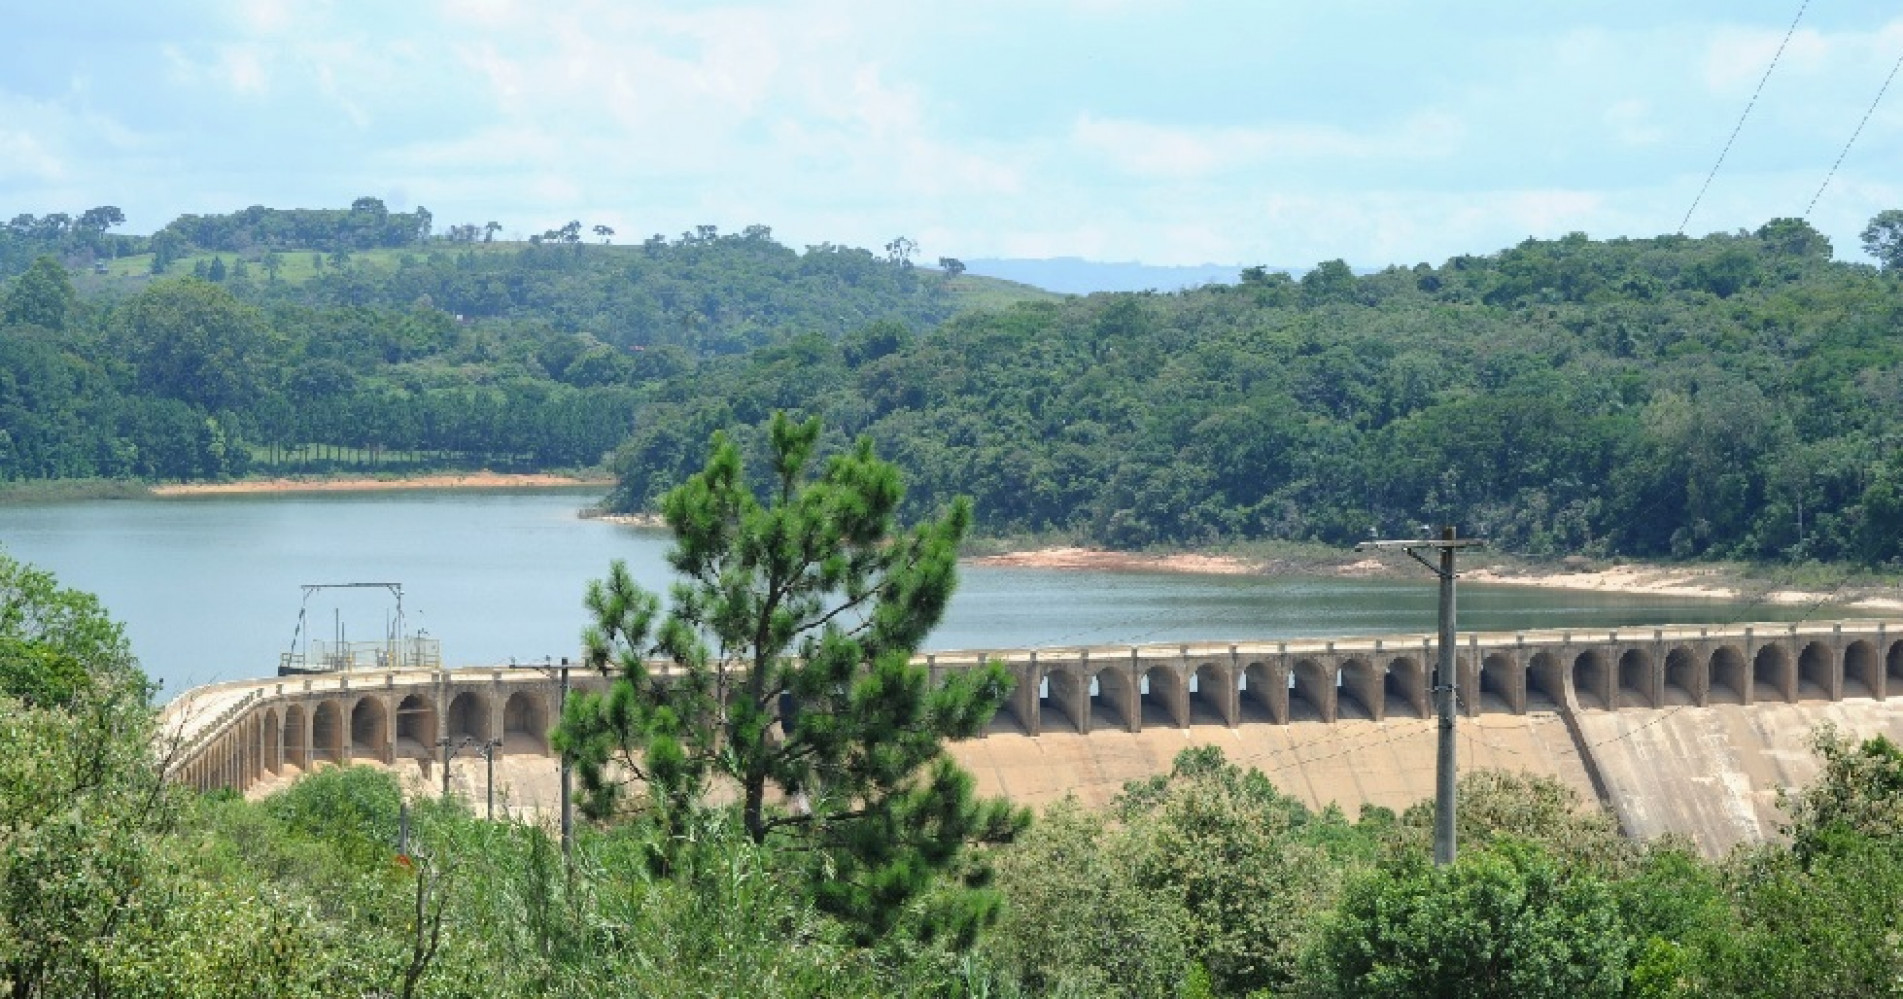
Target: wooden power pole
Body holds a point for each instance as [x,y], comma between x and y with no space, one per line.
[1446,680]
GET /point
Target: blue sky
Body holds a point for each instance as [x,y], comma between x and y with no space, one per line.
[1165,132]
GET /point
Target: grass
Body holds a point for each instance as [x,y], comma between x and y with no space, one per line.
[300,266]
[31,491]
[973,292]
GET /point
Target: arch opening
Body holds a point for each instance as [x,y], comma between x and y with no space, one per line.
[1590,677]
[1497,689]
[1730,680]
[1771,676]
[295,737]
[1893,670]
[524,724]
[1258,697]
[327,733]
[1063,700]
[1861,675]
[1635,679]
[1816,673]
[369,730]
[1110,699]
[1209,695]
[1360,692]
[415,727]
[1310,684]
[1404,689]
[1161,699]
[1545,683]
[468,718]
[1682,677]
[273,737]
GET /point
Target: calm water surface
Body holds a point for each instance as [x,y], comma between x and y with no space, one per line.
[209,587]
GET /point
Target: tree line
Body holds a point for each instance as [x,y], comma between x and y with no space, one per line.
[1727,396]
[526,357]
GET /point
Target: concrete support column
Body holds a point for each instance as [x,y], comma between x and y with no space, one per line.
[1276,696]
[388,747]
[1881,689]
[305,745]
[1070,693]
[1177,696]
[1229,703]
[498,702]
[1024,699]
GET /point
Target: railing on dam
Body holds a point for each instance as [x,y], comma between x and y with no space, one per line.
[233,734]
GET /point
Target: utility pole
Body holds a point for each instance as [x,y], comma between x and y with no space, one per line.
[445,743]
[568,807]
[1446,680]
[568,811]
[489,756]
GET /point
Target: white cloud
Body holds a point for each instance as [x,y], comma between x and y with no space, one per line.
[1632,122]
[23,157]
[1147,149]
[243,70]
[1736,58]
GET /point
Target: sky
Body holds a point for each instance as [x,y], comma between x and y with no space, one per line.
[1171,133]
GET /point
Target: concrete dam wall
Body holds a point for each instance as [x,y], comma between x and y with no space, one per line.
[1685,730]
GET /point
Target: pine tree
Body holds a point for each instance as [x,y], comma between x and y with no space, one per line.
[788,685]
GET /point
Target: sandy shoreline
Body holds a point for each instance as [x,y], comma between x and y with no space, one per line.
[1101,559]
[1636,579]
[465,480]
[1669,581]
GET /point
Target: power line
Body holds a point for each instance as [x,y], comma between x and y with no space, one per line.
[1792,30]
[1853,136]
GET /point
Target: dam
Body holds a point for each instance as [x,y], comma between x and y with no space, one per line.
[1685,729]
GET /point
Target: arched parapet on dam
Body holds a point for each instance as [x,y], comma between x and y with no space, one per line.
[1361,690]
[1501,683]
[1213,695]
[248,731]
[1819,676]
[1265,691]
[370,737]
[1728,677]
[1686,677]
[468,717]
[1545,678]
[1862,670]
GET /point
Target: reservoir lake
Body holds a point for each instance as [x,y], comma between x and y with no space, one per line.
[209,587]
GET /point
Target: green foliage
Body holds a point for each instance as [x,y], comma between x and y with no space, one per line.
[1718,397]
[788,645]
[1858,793]
[1827,925]
[43,297]
[1249,867]
[1508,921]
[1883,238]
[1513,805]
[1118,937]
[81,797]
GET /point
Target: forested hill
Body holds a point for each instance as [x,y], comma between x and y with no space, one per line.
[220,346]
[1731,395]
[1735,395]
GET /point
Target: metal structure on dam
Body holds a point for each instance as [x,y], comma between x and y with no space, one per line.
[235,734]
